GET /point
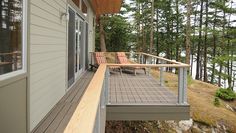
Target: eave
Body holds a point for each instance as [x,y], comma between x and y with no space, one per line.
[106,6]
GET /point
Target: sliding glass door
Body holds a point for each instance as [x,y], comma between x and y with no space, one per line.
[71,47]
[76,46]
[79,46]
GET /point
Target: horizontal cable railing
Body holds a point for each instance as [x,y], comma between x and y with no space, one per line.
[90,115]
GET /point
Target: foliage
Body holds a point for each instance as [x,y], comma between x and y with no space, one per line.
[118,33]
[212,36]
[216,101]
[226,94]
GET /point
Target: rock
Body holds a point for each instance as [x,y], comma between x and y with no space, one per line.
[195,130]
[229,107]
[234,108]
[186,125]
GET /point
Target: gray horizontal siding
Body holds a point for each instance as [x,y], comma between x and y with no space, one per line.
[47,56]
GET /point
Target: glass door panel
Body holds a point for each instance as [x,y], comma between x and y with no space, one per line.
[71,47]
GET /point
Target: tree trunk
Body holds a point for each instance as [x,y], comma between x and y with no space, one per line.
[138,26]
[193,42]
[222,47]
[102,36]
[199,43]
[168,29]
[151,32]
[205,45]
[177,31]
[229,70]
[188,32]
[214,47]
[231,67]
[157,34]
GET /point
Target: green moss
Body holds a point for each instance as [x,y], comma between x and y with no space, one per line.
[189,79]
[217,102]
[203,122]
[226,94]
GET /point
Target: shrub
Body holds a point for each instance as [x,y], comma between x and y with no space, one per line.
[217,101]
[226,94]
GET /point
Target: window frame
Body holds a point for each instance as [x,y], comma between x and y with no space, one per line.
[14,74]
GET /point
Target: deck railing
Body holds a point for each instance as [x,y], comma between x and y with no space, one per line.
[90,115]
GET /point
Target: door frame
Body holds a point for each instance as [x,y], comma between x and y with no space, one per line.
[84,20]
[78,45]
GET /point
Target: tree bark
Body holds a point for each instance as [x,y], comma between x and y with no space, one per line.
[229,70]
[193,42]
[102,36]
[214,47]
[222,48]
[205,45]
[157,35]
[151,32]
[188,32]
[199,43]
[177,31]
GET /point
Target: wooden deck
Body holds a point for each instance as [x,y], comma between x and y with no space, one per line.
[58,118]
[140,89]
[130,97]
[141,97]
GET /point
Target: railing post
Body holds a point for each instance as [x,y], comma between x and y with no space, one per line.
[142,59]
[139,58]
[182,86]
[107,74]
[162,75]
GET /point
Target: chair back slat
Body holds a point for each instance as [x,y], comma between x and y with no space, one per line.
[100,58]
[121,57]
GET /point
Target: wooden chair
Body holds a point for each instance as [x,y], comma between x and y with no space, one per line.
[100,58]
[122,59]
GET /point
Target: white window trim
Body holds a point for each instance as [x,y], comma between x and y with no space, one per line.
[14,74]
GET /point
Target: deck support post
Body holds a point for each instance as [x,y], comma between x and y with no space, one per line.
[162,74]
[182,86]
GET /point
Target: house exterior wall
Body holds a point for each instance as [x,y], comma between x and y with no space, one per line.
[91,32]
[25,99]
[48,56]
[13,105]
[48,47]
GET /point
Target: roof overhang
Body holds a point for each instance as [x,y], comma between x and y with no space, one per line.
[106,6]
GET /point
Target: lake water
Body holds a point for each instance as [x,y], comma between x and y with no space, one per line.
[224,83]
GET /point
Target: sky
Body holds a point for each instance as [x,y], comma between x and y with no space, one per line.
[130,19]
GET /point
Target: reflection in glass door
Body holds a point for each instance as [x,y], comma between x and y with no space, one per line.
[78,46]
[71,47]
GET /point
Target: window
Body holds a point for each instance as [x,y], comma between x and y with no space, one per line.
[77,2]
[11,36]
[84,8]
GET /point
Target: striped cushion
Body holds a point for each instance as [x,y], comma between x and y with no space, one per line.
[100,58]
[123,60]
[121,54]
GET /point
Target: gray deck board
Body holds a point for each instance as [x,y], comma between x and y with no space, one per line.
[141,89]
[58,118]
